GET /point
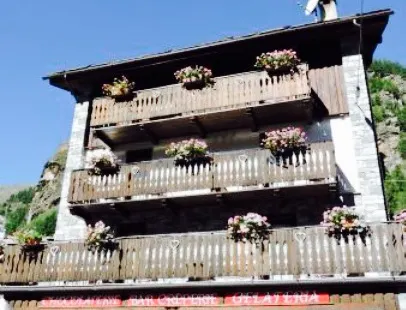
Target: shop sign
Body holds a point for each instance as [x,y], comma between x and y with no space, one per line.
[276,299]
[82,302]
[174,300]
[192,300]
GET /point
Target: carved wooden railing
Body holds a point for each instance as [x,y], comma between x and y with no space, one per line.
[300,252]
[228,92]
[237,169]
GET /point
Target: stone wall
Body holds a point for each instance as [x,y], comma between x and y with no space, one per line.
[69,226]
[370,198]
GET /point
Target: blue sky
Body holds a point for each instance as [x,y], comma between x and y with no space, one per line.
[40,37]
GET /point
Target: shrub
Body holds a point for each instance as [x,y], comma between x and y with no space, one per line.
[402,146]
[16,218]
[378,113]
[377,84]
[384,68]
[45,223]
[402,118]
[395,190]
[24,196]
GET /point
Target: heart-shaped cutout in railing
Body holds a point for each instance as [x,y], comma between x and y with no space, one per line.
[242,158]
[135,170]
[54,250]
[300,236]
[174,243]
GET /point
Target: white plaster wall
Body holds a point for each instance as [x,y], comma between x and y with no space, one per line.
[402,301]
[341,131]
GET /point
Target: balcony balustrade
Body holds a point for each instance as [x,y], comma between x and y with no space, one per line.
[304,252]
[235,171]
[233,101]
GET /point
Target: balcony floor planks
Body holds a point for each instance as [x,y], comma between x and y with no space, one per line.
[265,113]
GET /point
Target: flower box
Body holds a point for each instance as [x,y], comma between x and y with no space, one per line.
[251,227]
[286,142]
[189,153]
[278,62]
[194,78]
[342,222]
[100,238]
[30,242]
[120,89]
[102,162]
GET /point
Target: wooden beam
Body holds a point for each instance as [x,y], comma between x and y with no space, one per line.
[195,120]
[149,133]
[104,138]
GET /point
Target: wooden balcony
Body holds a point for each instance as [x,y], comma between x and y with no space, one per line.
[246,100]
[232,173]
[305,252]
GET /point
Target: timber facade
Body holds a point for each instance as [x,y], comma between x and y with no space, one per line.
[172,250]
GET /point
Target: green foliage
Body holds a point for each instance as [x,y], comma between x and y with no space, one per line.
[402,119]
[44,223]
[395,188]
[402,146]
[24,196]
[378,113]
[377,84]
[383,68]
[16,218]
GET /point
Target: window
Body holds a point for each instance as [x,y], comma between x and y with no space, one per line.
[139,155]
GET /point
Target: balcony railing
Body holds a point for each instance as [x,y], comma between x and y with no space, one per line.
[229,92]
[238,170]
[299,252]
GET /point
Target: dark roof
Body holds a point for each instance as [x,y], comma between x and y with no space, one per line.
[157,69]
[227,40]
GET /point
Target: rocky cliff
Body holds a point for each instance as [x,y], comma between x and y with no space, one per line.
[387,84]
[35,206]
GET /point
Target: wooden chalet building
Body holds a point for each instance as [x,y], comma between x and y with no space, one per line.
[170,221]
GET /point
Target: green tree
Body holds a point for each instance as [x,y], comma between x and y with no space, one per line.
[383,68]
[402,146]
[395,188]
[44,223]
[16,218]
[402,119]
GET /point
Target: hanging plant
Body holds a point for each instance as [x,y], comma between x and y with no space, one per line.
[194,78]
[189,153]
[401,218]
[120,88]
[99,238]
[342,222]
[251,227]
[278,61]
[102,162]
[30,241]
[285,142]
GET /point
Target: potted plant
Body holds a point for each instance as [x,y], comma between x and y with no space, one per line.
[102,162]
[251,227]
[189,153]
[194,78]
[30,241]
[119,89]
[99,237]
[278,61]
[342,222]
[285,142]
